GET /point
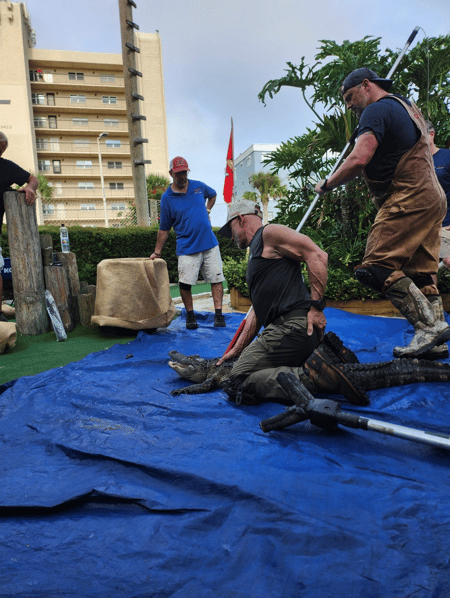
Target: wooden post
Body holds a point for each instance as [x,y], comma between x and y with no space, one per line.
[26,265]
[57,282]
[47,249]
[69,263]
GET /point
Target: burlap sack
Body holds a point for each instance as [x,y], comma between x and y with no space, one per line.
[8,335]
[133,293]
[9,311]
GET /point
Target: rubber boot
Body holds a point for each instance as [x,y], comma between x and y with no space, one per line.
[439,351]
[324,377]
[415,307]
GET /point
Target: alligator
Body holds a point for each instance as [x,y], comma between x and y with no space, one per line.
[362,376]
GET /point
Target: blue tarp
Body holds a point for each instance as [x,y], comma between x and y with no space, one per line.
[111,487]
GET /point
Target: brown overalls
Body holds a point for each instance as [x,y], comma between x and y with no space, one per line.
[406,234]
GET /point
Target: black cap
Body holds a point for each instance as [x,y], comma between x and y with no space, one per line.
[357,76]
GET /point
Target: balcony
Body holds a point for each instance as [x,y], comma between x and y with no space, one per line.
[72,170]
[82,123]
[115,147]
[76,102]
[47,79]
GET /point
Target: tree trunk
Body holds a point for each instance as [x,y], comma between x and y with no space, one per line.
[26,265]
[57,282]
[69,262]
[46,242]
[86,303]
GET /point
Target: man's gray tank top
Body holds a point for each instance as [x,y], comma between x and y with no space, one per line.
[276,285]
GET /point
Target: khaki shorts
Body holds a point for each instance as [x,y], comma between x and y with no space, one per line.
[209,263]
[445,244]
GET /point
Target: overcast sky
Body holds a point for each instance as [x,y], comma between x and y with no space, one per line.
[217,56]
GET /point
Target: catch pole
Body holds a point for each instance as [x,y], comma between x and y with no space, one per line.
[355,132]
[328,414]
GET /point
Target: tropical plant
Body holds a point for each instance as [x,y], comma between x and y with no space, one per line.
[267,186]
[45,190]
[341,220]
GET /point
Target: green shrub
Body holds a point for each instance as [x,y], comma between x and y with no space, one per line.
[234,272]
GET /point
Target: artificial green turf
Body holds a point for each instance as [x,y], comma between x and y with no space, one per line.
[34,354]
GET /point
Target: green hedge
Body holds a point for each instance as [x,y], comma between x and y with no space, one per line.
[92,245]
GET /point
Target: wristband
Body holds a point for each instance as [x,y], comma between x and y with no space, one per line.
[324,186]
[157,254]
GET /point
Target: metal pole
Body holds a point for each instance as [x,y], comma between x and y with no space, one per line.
[131,75]
[101,177]
[353,137]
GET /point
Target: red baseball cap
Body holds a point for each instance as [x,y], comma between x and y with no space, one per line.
[178,164]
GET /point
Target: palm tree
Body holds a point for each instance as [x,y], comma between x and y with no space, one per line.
[268,186]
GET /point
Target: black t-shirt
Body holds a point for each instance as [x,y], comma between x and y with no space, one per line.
[276,285]
[395,132]
[10,174]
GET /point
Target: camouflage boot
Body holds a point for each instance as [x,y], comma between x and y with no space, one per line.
[324,375]
[439,351]
[415,307]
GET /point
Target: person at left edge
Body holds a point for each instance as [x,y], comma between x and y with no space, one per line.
[10,174]
[183,208]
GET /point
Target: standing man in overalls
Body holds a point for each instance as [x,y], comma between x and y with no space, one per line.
[402,249]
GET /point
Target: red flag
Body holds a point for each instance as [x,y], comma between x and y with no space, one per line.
[229,171]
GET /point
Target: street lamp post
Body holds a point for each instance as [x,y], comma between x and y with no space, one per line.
[101,177]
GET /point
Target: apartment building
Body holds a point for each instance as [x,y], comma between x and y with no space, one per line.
[65,115]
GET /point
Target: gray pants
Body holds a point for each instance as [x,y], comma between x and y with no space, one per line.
[279,348]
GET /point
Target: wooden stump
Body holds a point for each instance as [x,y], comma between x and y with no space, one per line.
[46,242]
[56,281]
[26,265]
[86,304]
[69,263]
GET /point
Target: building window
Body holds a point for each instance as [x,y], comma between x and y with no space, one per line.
[44,165]
[118,206]
[48,77]
[48,209]
[36,75]
[116,185]
[42,143]
[76,76]
[56,166]
[113,164]
[50,99]
[86,164]
[249,161]
[111,122]
[54,144]
[40,121]
[52,122]
[57,188]
[85,185]
[80,122]
[264,156]
[113,143]
[109,99]
[79,143]
[38,98]
[87,206]
[77,99]
[107,78]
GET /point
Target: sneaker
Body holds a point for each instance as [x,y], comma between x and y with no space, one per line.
[191,322]
[3,318]
[219,321]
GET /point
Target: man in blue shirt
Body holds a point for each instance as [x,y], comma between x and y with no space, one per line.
[183,208]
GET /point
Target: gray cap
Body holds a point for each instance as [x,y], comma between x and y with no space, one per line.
[357,76]
[239,208]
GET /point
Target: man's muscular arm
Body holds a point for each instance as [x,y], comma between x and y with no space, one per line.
[282,241]
[353,165]
[250,330]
